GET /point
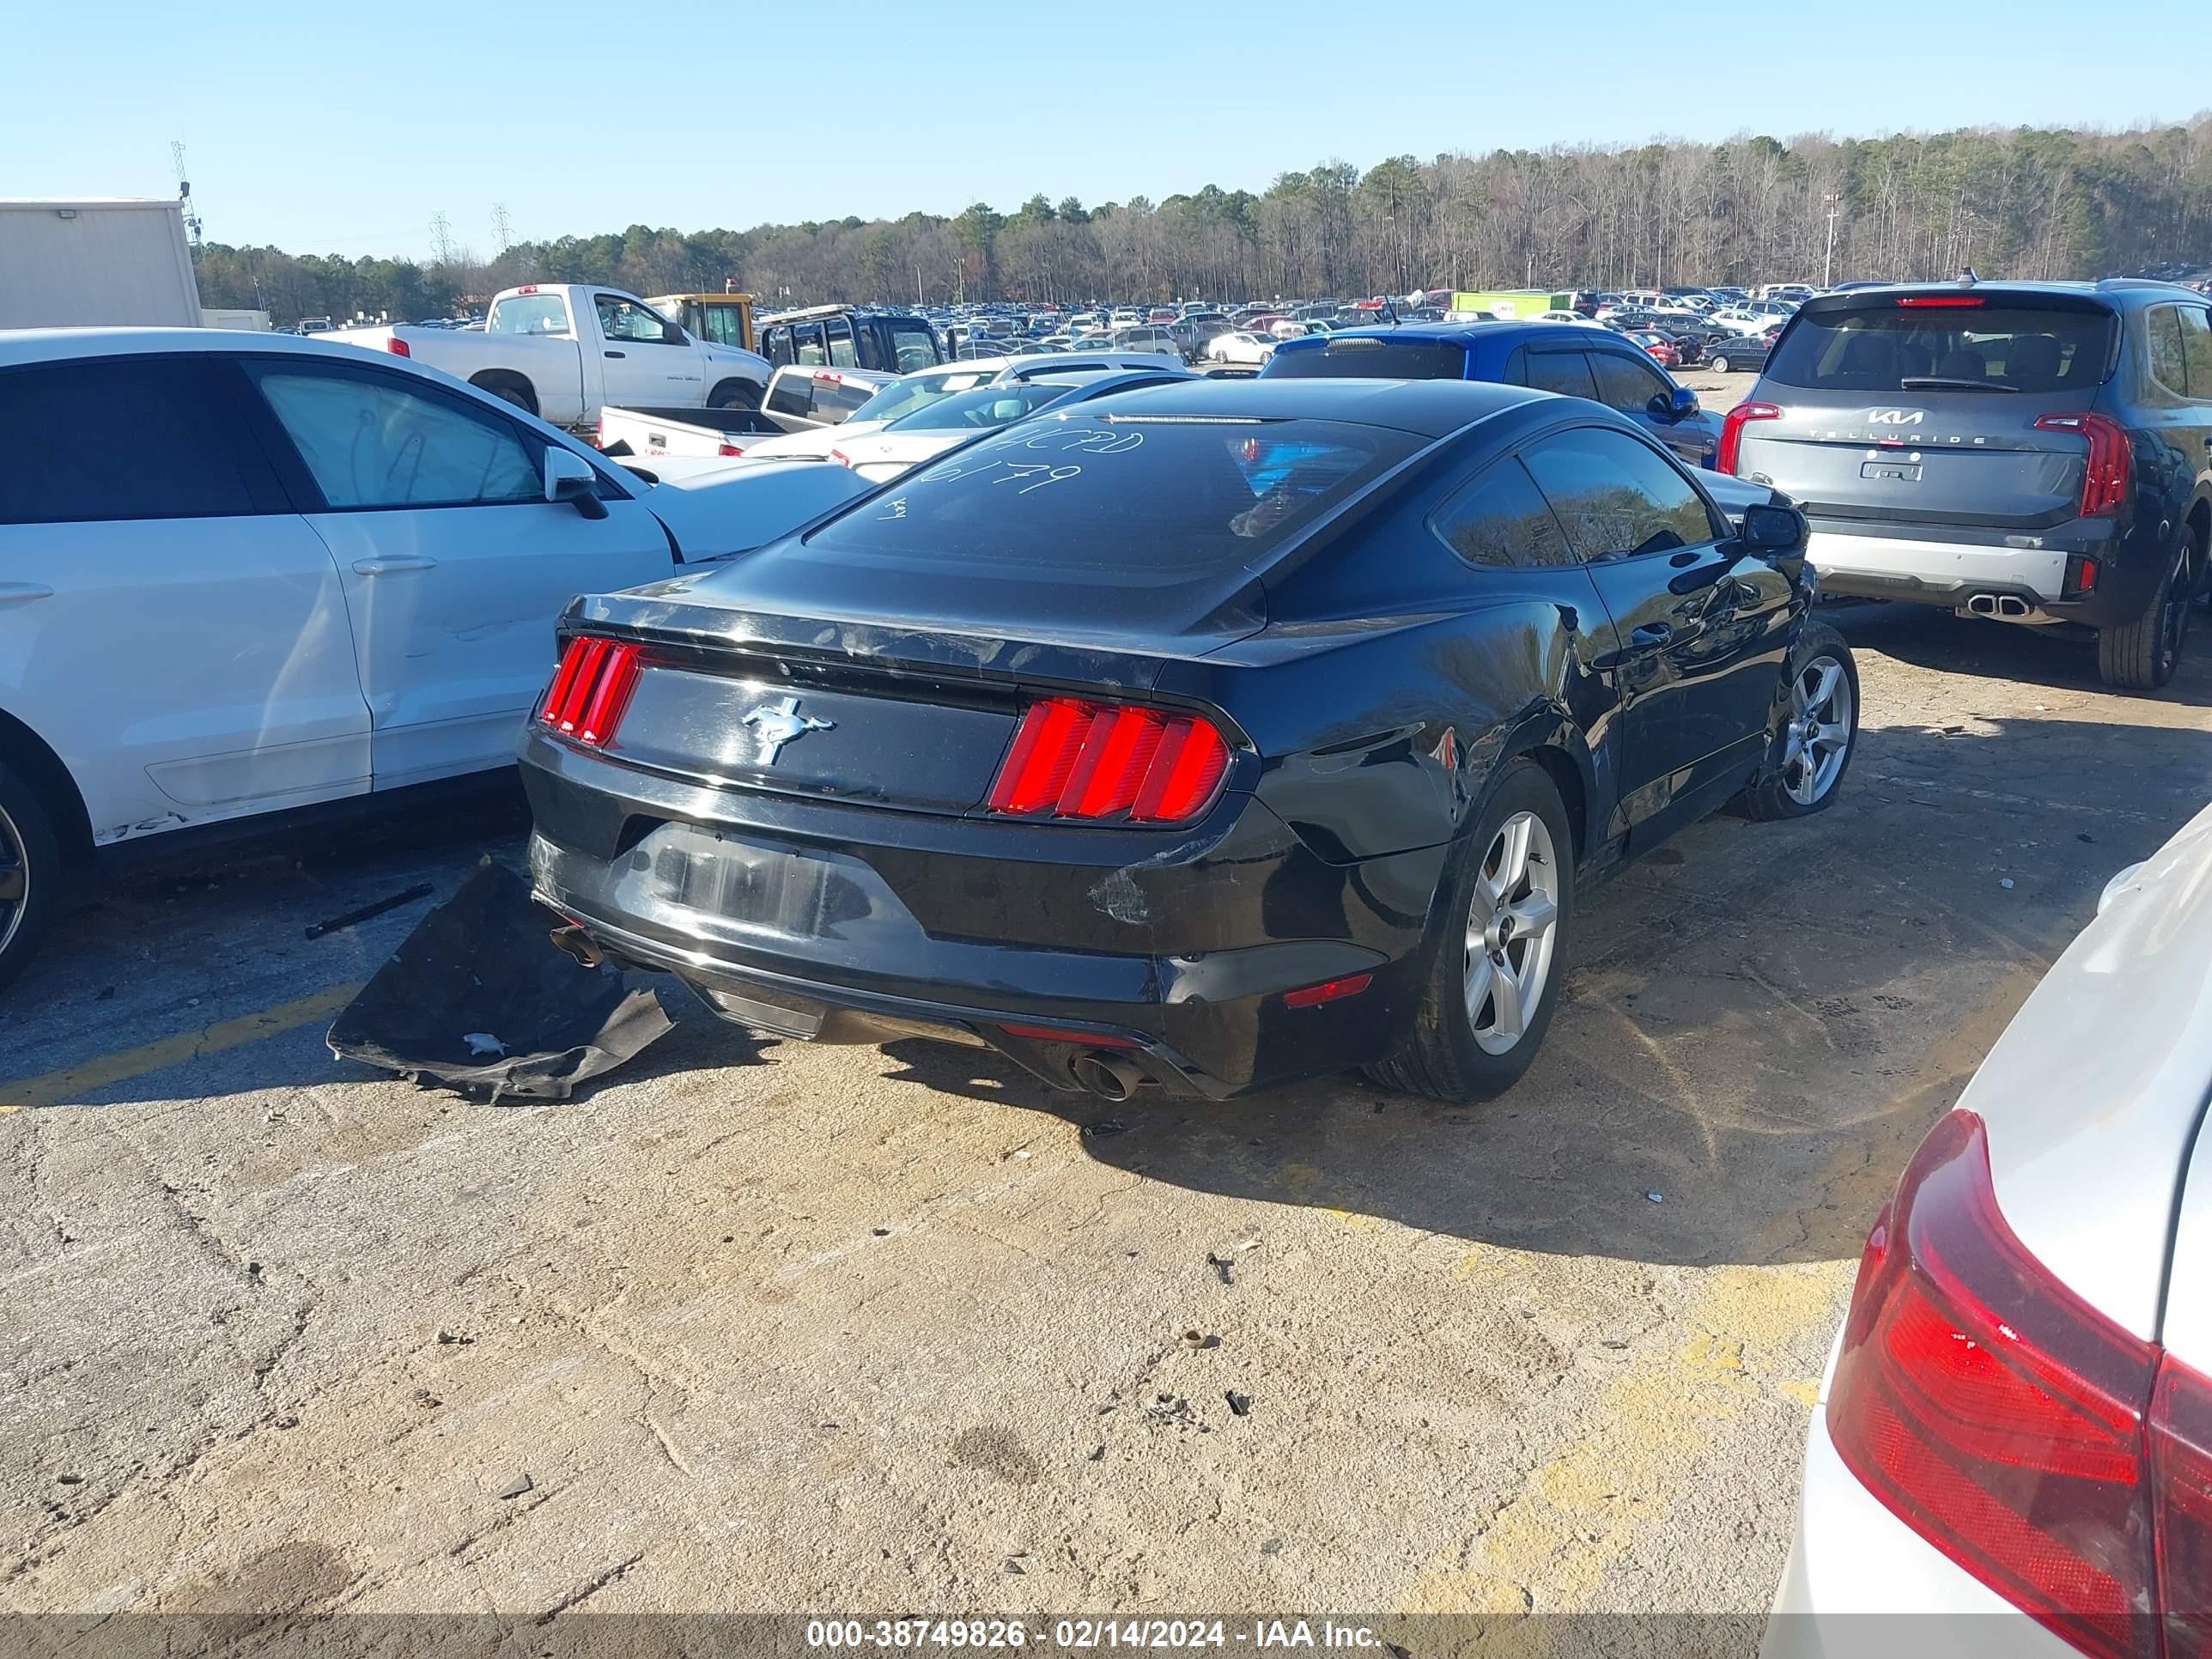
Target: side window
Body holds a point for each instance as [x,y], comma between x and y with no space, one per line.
[807,346]
[842,351]
[1566,371]
[1615,497]
[184,459]
[1501,520]
[1624,384]
[2197,350]
[372,440]
[776,345]
[629,321]
[2169,366]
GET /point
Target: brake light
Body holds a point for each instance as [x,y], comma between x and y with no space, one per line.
[2105,481]
[728,449]
[841,458]
[590,688]
[1100,762]
[1732,432]
[397,347]
[1996,1413]
[1939,301]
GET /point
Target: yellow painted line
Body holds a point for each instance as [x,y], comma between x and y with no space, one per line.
[56,1087]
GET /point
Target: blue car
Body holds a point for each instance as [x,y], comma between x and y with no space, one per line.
[1582,362]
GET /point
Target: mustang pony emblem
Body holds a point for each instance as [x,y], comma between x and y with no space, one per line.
[781,722]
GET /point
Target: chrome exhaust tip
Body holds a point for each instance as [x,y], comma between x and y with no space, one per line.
[1110,1077]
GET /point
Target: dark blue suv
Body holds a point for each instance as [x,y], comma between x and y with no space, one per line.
[1582,362]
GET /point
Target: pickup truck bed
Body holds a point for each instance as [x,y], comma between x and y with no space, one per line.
[660,430]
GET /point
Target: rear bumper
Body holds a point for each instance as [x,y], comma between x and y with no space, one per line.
[1949,566]
[802,918]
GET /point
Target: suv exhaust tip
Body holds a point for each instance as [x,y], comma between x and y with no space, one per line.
[1110,1077]
[2005,607]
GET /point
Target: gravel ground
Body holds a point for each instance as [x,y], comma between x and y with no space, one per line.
[771,1328]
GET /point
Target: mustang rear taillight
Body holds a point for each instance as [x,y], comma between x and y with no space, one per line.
[2112,459]
[1999,1415]
[1072,758]
[589,689]
[397,347]
[1732,428]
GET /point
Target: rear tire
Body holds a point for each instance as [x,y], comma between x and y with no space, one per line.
[2141,656]
[1493,966]
[511,389]
[1718,364]
[735,394]
[35,876]
[1806,762]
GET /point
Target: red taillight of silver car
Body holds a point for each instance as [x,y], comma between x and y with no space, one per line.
[2062,1461]
[589,689]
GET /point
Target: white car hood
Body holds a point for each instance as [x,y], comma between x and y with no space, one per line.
[2093,1095]
[727,509]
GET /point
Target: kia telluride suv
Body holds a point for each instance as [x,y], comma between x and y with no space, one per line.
[2033,452]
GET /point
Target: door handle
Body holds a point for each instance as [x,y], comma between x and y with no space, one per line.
[1651,633]
[23,592]
[397,562]
[618,353]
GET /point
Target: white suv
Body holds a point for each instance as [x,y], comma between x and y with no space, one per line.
[241,575]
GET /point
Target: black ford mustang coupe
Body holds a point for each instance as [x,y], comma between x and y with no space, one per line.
[1202,737]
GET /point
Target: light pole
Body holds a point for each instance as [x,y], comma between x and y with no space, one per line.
[1828,265]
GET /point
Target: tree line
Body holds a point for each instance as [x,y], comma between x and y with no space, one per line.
[2024,203]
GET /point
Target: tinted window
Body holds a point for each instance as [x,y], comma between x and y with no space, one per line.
[2169,366]
[776,345]
[1615,497]
[371,440]
[1624,384]
[1883,347]
[1566,371]
[838,399]
[1119,498]
[915,347]
[806,345]
[1365,357]
[840,342]
[790,394]
[2197,350]
[60,429]
[1500,519]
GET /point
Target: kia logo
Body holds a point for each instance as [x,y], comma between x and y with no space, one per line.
[1896,417]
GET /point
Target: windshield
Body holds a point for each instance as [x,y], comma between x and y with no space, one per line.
[985,407]
[905,397]
[914,345]
[1885,347]
[1120,494]
[529,313]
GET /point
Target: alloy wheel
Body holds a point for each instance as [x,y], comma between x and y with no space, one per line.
[15,880]
[1818,739]
[1512,928]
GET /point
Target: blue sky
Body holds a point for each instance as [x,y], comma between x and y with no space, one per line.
[593,118]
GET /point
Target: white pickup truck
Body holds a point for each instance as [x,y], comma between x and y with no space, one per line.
[564,350]
[800,399]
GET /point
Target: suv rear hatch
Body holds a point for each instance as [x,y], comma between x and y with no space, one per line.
[1921,406]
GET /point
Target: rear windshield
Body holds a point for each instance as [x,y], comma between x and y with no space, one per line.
[1884,347]
[986,406]
[1362,358]
[1084,492]
[917,392]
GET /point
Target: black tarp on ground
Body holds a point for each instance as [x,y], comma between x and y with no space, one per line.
[480,966]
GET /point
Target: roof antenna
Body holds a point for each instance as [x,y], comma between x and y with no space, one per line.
[1966,277]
